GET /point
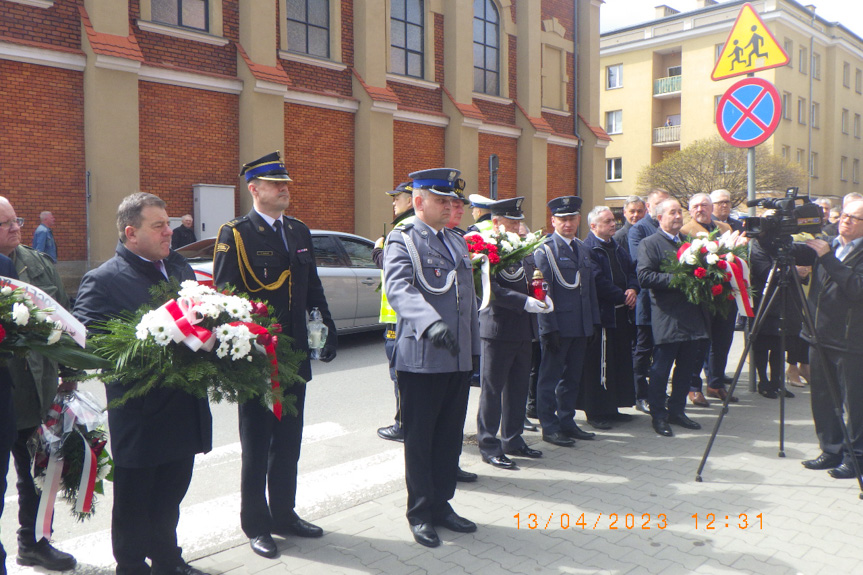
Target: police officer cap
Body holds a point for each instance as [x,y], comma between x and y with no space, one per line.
[460,195]
[269,167]
[478,201]
[440,181]
[565,206]
[402,187]
[510,209]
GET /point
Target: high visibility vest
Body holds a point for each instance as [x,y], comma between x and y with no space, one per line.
[485,226]
[388,314]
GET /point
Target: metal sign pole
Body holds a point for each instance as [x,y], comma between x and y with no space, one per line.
[750,194]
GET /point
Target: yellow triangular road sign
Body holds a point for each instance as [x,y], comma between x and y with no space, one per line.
[750,47]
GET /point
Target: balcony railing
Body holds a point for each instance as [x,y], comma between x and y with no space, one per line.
[666,85]
[666,135]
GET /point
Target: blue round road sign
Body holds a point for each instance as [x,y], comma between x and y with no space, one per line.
[748,112]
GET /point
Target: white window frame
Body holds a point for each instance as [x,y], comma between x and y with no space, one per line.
[786,106]
[802,110]
[845,120]
[857,126]
[619,84]
[843,169]
[335,39]
[609,169]
[614,121]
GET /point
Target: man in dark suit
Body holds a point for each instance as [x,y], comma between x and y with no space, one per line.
[8,433]
[184,234]
[507,327]
[269,256]
[679,327]
[634,211]
[154,438]
[564,333]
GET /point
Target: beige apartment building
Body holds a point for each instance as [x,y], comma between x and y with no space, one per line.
[657,95]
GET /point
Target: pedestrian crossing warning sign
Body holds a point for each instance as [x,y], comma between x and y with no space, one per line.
[750,47]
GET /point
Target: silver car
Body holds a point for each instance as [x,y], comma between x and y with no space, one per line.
[350,278]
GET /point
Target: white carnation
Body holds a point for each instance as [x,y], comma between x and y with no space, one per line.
[711,259]
[20,314]
[691,259]
[696,245]
[712,247]
[6,290]
[507,247]
[702,234]
[55,336]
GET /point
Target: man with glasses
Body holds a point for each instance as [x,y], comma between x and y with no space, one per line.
[722,209]
[35,380]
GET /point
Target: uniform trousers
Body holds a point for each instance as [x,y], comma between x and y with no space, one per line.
[433,407]
[145,515]
[7,437]
[535,359]
[844,369]
[641,356]
[268,476]
[390,349]
[557,388]
[683,355]
[502,400]
[28,498]
[721,338]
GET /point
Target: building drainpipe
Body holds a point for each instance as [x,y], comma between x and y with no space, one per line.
[575,98]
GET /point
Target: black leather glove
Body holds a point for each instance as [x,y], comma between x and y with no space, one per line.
[441,336]
[327,353]
[550,341]
[475,363]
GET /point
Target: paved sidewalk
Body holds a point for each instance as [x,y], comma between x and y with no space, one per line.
[623,503]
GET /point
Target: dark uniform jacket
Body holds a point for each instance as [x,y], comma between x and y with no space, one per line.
[643,228]
[674,318]
[8,432]
[505,318]
[166,424]
[621,236]
[576,311]
[609,294]
[267,259]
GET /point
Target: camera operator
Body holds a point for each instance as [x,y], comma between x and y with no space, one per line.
[836,303]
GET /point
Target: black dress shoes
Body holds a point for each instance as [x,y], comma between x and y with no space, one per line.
[43,554]
[661,427]
[181,569]
[617,416]
[599,423]
[823,461]
[528,426]
[531,413]
[391,433]
[558,438]
[465,476]
[457,523]
[527,452]
[264,546]
[683,421]
[578,433]
[300,528]
[424,534]
[845,470]
[501,461]
[768,393]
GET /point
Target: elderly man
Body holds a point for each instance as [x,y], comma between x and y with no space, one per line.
[714,352]
[607,377]
[633,211]
[429,282]
[43,236]
[270,256]
[507,327]
[565,263]
[184,234]
[836,303]
[643,351]
[154,449]
[722,209]
[679,327]
[35,379]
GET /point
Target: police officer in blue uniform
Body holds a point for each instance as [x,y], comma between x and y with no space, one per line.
[565,263]
[269,256]
[428,279]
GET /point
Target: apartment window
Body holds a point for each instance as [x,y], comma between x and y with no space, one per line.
[846,74]
[802,63]
[406,37]
[613,169]
[786,153]
[858,81]
[717,52]
[183,13]
[856,125]
[309,27]
[614,122]
[614,76]
[815,115]
[855,171]
[813,164]
[786,105]
[788,46]
[486,47]
[801,111]
[843,169]
[846,116]
[801,154]
[816,65]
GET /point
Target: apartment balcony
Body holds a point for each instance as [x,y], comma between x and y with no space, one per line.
[668,87]
[666,136]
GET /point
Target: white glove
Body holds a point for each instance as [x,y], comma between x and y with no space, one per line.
[533,305]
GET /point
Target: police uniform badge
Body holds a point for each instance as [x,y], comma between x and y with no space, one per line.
[437,272]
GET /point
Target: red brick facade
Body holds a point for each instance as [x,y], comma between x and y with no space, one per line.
[415,147]
[507,154]
[561,172]
[42,151]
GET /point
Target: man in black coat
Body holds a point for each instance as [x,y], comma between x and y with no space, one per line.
[8,432]
[154,438]
[677,325]
[634,211]
[184,234]
[270,256]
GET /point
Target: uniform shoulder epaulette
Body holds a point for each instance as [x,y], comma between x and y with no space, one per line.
[404,227]
[235,221]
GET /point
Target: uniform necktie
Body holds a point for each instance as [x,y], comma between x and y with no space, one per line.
[277,226]
[446,247]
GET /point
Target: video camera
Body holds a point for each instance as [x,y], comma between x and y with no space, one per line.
[788,217]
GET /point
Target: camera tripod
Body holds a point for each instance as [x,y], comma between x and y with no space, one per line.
[778,287]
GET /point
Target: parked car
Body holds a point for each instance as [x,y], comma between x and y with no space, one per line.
[345,266]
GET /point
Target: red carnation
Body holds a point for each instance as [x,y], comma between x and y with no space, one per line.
[492,249]
[716,290]
[276,328]
[2,333]
[493,257]
[699,272]
[703,250]
[722,264]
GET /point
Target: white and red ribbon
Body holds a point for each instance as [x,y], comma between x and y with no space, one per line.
[485,277]
[84,504]
[740,286]
[270,348]
[45,513]
[181,312]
